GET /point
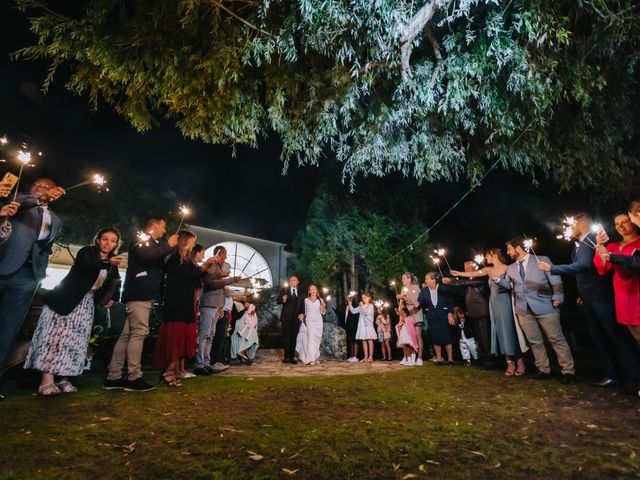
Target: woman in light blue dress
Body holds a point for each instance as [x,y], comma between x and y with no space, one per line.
[506,336]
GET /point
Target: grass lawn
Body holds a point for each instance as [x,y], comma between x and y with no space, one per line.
[430,422]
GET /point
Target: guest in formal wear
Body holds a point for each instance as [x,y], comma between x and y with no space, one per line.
[409,293]
[7,209]
[383,324]
[310,334]
[407,335]
[60,341]
[506,336]
[626,282]
[244,339]
[466,336]
[351,327]
[144,275]
[212,327]
[538,296]
[610,339]
[24,258]
[476,300]
[290,317]
[437,303]
[366,332]
[177,336]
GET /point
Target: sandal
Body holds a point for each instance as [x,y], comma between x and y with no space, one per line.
[168,377]
[48,390]
[511,368]
[66,386]
[185,375]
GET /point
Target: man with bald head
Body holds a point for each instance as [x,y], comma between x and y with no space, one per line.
[24,258]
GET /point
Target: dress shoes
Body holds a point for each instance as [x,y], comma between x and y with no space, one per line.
[201,371]
[606,383]
[568,379]
[1,397]
[540,376]
[293,361]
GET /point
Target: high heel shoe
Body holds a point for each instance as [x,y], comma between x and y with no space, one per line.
[168,377]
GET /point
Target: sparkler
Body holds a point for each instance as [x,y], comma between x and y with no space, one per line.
[441,252]
[528,247]
[184,211]
[325,290]
[143,238]
[96,179]
[436,262]
[479,259]
[568,226]
[24,158]
[392,284]
[352,294]
[379,304]
[3,141]
[328,297]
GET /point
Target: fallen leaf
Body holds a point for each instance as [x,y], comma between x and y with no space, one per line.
[396,467]
[293,456]
[289,472]
[408,476]
[476,452]
[423,469]
[256,458]
[591,425]
[433,462]
[104,419]
[282,450]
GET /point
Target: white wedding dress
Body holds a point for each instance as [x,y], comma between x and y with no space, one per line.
[310,334]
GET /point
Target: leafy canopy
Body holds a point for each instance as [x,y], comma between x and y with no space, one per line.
[434,89]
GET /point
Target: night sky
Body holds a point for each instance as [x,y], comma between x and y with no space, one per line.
[249,194]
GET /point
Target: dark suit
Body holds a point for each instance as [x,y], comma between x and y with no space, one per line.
[610,339]
[23,264]
[145,270]
[293,307]
[476,299]
[437,316]
[630,262]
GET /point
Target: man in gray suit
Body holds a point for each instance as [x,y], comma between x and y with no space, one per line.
[212,329]
[24,258]
[538,296]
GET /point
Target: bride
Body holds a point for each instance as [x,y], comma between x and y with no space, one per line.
[310,334]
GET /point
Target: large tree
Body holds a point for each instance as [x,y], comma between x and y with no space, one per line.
[432,89]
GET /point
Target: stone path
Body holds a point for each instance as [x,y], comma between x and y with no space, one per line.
[269,364]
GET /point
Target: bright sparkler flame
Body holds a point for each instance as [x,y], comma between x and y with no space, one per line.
[528,244]
[440,252]
[328,297]
[184,210]
[352,294]
[325,290]
[24,157]
[143,238]
[99,180]
[4,140]
[568,224]
[435,260]
[478,259]
[596,228]
[379,304]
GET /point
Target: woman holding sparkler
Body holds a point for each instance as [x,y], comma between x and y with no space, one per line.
[626,283]
[504,334]
[59,345]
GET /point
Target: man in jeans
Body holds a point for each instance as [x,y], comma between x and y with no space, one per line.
[141,287]
[538,296]
[212,326]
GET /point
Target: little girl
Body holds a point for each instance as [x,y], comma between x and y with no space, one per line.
[384,334]
[407,340]
[366,332]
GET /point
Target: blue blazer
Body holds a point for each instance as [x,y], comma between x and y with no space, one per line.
[442,309]
[538,289]
[591,286]
[23,245]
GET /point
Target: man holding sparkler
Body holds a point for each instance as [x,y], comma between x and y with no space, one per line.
[538,296]
[141,287]
[596,293]
[24,258]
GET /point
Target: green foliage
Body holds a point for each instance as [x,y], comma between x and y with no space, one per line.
[549,87]
[365,229]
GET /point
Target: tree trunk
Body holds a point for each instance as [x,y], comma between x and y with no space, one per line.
[354,273]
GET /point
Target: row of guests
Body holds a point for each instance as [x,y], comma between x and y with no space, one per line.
[61,338]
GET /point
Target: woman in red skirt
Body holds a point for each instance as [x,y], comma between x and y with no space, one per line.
[177,336]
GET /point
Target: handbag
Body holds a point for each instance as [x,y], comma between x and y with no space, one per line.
[5,231]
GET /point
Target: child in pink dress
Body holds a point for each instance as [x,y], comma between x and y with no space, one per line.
[407,337]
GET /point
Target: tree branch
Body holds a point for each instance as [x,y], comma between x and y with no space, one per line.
[238,17]
[436,52]
[416,25]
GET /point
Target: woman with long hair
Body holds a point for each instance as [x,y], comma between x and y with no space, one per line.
[177,337]
[505,337]
[310,334]
[60,342]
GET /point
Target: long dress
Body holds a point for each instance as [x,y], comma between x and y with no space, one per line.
[407,335]
[177,336]
[504,338]
[245,334]
[626,283]
[366,330]
[310,334]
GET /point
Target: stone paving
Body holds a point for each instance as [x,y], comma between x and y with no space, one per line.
[268,363]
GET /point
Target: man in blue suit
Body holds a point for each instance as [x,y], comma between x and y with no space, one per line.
[610,339]
[24,258]
[538,296]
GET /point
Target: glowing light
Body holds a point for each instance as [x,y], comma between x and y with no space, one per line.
[379,304]
[596,228]
[24,157]
[328,297]
[325,290]
[184,210]
[143,238]
[285,284]
[99,179]
[393,283]
[256,295]
[440,252]
[528,245]
[568,224]
[478,259]
[352,294]
[385,305]
[4,140]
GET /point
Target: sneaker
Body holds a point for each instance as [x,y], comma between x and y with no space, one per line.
[353,359]
[117,384]
[138,385]
[403,361]
[419,362]
[219,367]
[467,363]
[411,363]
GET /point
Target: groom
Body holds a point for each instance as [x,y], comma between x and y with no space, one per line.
[292,302]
